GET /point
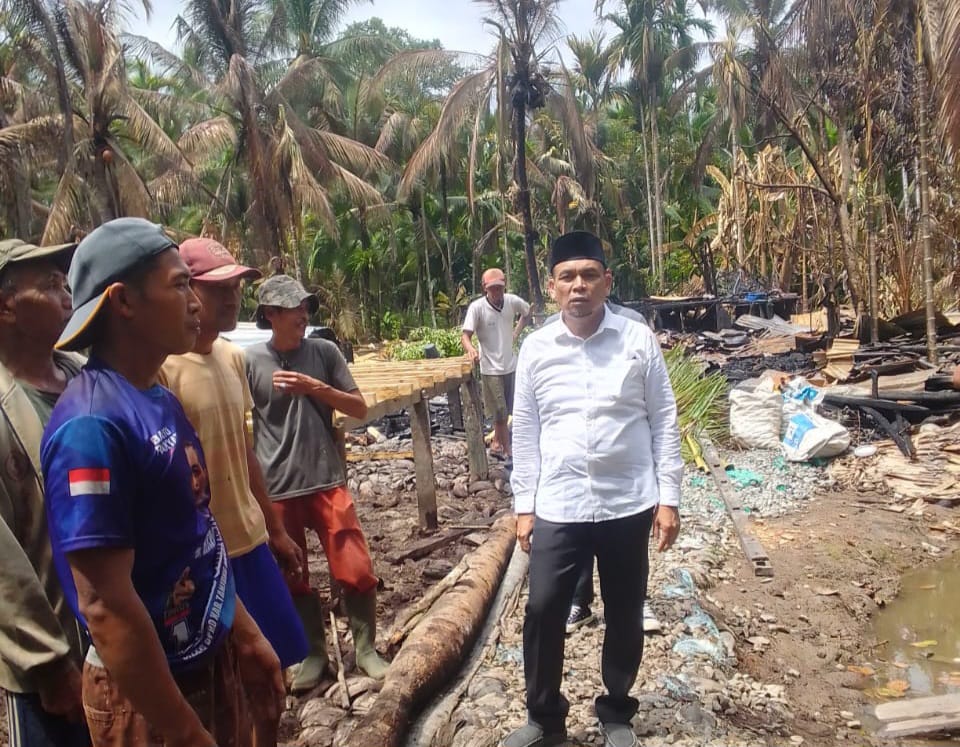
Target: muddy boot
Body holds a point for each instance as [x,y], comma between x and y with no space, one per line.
[362,611]
[313,669]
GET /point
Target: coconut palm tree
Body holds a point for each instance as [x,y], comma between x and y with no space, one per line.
[272,121]
[655,39]
[114,135]
[514,76]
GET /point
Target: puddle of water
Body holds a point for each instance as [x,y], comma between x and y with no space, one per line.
[926,611]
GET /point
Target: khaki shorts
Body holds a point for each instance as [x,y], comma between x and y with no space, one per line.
[498,395]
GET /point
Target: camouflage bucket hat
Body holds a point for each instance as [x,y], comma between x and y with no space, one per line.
[13,251]
[284,292]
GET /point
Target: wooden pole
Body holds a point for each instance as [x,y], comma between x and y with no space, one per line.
[423,465]
[872,261]
[925,238]
[472,424]
[456,407]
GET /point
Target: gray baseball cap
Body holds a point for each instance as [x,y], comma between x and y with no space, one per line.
[13,251]
[105,256]
[284,292]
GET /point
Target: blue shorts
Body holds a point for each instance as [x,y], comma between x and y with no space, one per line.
[31,726]
[263,591]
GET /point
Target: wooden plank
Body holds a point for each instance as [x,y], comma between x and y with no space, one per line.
[377,411]
[423,462]
[377,456]
[920,727]
[917,708]
[473,425]
[750,545]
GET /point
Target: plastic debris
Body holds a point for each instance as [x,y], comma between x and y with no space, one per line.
[684,587]
[743,478]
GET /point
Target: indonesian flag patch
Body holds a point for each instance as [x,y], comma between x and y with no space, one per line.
[89,482]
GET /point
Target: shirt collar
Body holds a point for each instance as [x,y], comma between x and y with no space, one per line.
[610,321]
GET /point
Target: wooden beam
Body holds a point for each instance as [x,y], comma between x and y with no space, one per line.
[752,548]
[456,409]
[375,456]
[473,425]
[921,727]
[917,708]
[423,463]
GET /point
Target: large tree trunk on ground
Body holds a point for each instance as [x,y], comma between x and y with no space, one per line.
[434,650]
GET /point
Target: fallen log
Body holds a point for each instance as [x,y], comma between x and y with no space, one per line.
[433,651]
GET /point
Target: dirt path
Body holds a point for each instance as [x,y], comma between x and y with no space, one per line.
[836,563]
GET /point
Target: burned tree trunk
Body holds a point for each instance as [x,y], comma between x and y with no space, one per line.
[434,650]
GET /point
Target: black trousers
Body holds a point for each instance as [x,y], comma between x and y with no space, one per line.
[558,554]
[583,593]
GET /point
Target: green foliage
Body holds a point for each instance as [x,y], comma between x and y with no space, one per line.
[447,341]
[701,400]
[390,324]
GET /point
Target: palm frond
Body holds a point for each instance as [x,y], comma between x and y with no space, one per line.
[166,61]
[352,154]
[410,65]
[146,132]
[68,211]
[468,93]
[357,190]
[207,138]
[33,139]
[393,131]
[564,106]
[135,198]
[948,80]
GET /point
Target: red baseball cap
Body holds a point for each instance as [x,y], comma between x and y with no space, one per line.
[211,262]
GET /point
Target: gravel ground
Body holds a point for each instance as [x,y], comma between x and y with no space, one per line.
[690,688]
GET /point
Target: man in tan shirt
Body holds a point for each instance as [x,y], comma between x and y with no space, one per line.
[211,384]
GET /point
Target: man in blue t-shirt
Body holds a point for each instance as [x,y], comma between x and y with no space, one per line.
[176,660]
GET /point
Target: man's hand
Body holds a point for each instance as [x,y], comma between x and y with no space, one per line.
[259,670]
[287,552]
[294,382]
[666,526]
[524,530]
[60,694]
[955,381]
[473,354]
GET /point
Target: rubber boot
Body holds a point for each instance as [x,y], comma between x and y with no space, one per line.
[311,670]
[362,611]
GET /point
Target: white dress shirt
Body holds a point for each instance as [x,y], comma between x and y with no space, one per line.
[595,433]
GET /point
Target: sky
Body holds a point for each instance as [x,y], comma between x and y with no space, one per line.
[457,24]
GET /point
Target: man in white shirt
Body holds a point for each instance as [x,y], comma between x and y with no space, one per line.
[597,467]
[494,319]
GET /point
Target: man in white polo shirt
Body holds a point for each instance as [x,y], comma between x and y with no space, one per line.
[497,319]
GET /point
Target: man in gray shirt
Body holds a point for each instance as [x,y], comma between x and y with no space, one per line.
[297,384]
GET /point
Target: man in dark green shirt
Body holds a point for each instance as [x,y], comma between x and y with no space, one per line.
[40,644]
